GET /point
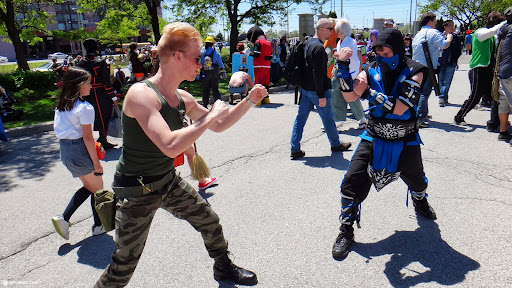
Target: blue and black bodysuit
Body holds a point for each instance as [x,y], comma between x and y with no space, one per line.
[390,146]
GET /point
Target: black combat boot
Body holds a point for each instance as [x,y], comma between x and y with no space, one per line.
[343,242]
[224,269]
[424,209]
[105,143]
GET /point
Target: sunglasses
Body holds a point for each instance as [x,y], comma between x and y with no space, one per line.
[196,58]
[328,28]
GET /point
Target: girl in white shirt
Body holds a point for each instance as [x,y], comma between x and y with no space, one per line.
[73,122]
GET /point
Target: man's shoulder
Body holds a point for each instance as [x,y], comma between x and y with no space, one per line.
[315,45]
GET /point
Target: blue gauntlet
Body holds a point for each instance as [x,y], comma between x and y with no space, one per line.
[410,93]
[381,101]
[344,76]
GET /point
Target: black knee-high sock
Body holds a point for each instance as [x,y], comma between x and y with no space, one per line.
[80,196]
[97,221]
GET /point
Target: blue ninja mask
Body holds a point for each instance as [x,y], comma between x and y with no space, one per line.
[391,62]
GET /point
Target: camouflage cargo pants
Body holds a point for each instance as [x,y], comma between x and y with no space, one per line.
[133,219]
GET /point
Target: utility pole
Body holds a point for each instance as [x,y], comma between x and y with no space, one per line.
[341,9]
[287,20]
[410,16]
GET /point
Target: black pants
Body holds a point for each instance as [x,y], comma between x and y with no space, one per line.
[356,183]
[210,81]
[480,79]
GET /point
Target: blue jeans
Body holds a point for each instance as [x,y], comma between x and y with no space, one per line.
[422,112]
[308,100]
[445,79]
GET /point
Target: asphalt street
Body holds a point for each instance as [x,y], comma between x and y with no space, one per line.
[280,216]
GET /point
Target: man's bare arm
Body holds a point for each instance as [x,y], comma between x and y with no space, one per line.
[142,104]
[360,86]
[233,115]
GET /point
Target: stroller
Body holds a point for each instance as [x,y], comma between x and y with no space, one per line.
[7,113]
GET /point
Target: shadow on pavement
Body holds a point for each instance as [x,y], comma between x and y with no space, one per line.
[351,132]
[271,105]
[95,251]
[205,194]
[419,256]
[227,284]
[113,154]
[28,158]
[336,161]
[451,127]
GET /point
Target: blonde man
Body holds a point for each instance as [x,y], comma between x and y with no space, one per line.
[153,134]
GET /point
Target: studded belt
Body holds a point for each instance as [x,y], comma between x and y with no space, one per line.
[388,129]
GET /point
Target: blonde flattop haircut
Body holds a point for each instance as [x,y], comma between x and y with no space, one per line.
[177,36]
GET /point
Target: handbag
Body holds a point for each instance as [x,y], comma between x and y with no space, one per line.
[115,128]
[105,205]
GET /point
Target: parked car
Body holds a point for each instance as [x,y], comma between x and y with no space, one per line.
[3,59]
[59,55]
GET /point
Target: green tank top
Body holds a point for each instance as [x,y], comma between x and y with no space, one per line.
[482,52]
[140,155]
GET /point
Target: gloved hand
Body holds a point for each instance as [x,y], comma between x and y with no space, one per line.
[381,101]
[344,76]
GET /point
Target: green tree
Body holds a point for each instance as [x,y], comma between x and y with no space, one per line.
[332,14]
[19,20]
[466,12]
[116,28]
[260,12]
[219,37]
[140,12]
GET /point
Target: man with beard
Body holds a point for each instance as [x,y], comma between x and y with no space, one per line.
[389,148]
[102,95]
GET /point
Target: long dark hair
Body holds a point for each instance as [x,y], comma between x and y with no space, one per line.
[72,81]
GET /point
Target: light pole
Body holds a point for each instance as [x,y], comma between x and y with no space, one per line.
[373,17]
[78,14]
[70,27]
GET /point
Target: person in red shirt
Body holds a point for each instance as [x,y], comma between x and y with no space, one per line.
[262,53]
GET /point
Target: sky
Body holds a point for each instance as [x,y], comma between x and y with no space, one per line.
[360,13]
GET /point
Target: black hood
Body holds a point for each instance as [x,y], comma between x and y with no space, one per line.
[393,39]
[254,33]
[91,46]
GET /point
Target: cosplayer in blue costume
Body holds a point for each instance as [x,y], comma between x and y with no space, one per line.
[390,146]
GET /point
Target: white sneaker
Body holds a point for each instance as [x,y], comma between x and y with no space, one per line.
[98,230]
[61,226]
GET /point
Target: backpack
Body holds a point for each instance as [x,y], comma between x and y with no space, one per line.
[295,64]
[208,62]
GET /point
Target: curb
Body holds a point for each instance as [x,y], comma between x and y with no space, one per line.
[48,126]
[29,130]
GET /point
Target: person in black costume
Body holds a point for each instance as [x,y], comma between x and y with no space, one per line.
[102,95]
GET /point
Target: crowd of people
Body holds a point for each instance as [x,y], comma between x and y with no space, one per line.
[396,80]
